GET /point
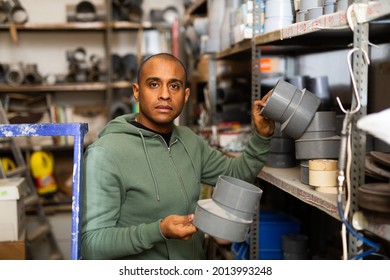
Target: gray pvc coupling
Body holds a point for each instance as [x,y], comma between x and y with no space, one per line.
[15,74]
[229,213]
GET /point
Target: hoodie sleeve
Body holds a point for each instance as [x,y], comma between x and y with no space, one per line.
[102,197]
[245,167]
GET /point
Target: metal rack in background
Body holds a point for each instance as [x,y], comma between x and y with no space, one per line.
[78,131]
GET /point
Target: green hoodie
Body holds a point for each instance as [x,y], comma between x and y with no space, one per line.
[132,180]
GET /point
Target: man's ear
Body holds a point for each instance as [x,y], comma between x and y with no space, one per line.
[186,94]
[136,91]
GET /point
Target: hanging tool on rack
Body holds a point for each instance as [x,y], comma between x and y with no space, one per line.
[344,164]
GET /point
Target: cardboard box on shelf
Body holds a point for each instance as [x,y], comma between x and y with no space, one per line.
[14,250]
[12,212]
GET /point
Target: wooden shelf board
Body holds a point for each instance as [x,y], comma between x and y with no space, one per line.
[98,86]
[57,26]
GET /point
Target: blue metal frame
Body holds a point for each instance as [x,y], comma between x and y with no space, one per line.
[78,131]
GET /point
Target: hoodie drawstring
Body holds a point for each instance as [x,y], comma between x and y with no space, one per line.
[150,165]
[192,162]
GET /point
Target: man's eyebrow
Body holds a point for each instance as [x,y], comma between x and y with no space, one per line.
[159,79]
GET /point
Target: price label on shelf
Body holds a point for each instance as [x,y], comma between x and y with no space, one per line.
[330,21]
[371,11]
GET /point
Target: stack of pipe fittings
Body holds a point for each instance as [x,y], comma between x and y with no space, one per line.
[278,13]
[319,142]
[312,9]
[282,151]
[229,213]
[295,246]
[11,11]
[319,85]
[127,10]
[85,11]
[16,74]
[124,67]
[81,69]
[292,107]
[167,15]
[315,132]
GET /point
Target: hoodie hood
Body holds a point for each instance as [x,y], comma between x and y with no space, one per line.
[121,125]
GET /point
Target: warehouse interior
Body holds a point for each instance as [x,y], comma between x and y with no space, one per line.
[325,186]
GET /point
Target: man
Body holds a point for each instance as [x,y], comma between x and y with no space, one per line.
[142,177]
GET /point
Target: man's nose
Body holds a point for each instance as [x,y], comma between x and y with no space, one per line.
[164,93]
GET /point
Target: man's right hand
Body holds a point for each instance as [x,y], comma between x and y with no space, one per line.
[178,227]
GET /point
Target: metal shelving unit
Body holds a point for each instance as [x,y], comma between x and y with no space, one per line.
[288,179]
[106,27]
[313,37]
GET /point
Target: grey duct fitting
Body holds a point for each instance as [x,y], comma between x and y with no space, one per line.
[50,79]
[127,10]
[191,40]
[297,123]
[292,107]
[312,135]
[168,15]
[5,9]
[304,168]
[317,148]
[3,71]
[95,70]
[18,14]
[77,56]
[31,74]
[118,108]
[211,218]
[229,213]
[130,66]
[95,60]
[286,160]
[282,145]
[72,16]
[323,121]
[14,75]
[279,99]
[298,81]
[295,246]
[320,87]
[201,24]
[118,69]
[309,4]
[342,5]
[78,77]
[85,11]
[93,75]
[237,194]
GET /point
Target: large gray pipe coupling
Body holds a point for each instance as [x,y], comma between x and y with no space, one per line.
[130,10]
[95,71]
[17,13]
[85,11]
[3,71]
[5,9]
[77,56]
[130,64]
[31,74]
[15,75]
